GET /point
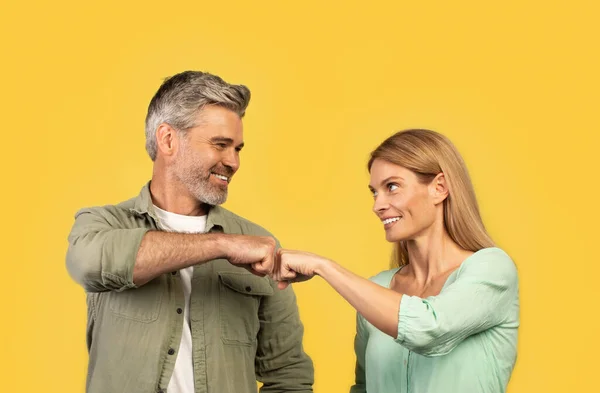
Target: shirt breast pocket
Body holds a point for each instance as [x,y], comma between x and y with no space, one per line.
[239,299]
[140,304]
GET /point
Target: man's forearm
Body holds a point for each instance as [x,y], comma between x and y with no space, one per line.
[163,252]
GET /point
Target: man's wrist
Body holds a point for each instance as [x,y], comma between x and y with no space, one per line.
[222,244]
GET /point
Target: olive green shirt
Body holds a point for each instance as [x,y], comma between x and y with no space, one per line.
[244,329]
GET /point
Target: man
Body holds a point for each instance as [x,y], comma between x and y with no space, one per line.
[173,305]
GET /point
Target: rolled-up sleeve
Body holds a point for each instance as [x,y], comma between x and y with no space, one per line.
[485,287]
[101,254]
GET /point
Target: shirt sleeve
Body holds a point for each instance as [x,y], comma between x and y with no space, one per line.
[480,298]
[360,346]
[101,253]
[281,363]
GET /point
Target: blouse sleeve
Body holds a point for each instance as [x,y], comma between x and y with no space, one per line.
[480,298]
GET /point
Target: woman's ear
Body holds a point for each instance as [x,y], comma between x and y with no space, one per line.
[439,188]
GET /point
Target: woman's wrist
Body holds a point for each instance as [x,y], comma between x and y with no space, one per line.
[324,268]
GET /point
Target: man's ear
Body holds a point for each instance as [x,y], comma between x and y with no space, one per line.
[166,139]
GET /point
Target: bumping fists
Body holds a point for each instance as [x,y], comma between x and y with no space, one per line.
[258,255]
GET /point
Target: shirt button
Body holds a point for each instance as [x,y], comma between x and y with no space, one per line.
[248,289]
[405,362]
[174,273]
[171,351]
[179,311]
[161,391]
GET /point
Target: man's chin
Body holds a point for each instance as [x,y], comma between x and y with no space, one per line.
[213,201]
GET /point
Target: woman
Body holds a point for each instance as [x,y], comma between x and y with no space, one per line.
[446,319]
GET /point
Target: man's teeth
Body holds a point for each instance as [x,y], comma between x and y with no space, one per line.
[221,177]
[390,220]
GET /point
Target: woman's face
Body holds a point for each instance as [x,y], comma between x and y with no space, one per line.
[406,207]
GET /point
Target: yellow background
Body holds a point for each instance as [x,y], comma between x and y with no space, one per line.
[514,85]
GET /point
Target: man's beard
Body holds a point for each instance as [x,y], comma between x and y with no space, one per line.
[197,180]
[206,192]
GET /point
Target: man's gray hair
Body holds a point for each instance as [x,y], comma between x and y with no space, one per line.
[181,96]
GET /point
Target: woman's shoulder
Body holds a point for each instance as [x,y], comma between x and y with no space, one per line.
[385,277]
[489,261]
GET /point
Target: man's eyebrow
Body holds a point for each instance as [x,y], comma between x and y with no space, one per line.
[223,139]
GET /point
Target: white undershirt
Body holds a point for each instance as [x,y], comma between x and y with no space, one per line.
[182,380]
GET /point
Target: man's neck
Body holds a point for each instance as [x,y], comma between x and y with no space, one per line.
[172,196]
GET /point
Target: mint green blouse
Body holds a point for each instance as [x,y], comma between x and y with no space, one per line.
[462,340]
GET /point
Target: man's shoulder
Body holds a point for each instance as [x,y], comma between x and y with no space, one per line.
[120,210]
[240,225]
[134,206]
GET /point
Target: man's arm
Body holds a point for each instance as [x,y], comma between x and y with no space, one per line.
[104,257]
[163,252]
[281,363]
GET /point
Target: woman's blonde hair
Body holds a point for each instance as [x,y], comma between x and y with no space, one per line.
[428,153]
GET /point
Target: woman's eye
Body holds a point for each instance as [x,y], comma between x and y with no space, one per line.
[392,187]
